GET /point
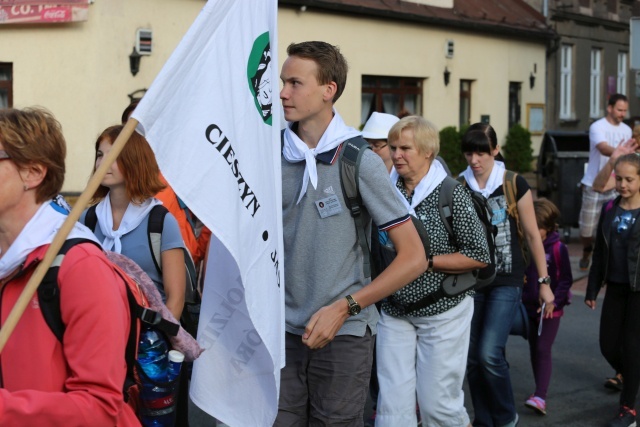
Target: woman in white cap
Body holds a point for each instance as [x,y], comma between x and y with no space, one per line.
[375,131]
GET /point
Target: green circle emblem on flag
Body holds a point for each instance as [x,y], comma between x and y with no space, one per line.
[259,75]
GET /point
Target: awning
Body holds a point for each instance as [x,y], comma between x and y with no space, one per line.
[43,11]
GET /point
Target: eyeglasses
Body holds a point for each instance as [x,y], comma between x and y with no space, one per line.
[378,145]
[626,220]
[4,155]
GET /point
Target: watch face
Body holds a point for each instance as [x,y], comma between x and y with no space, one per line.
[354,309]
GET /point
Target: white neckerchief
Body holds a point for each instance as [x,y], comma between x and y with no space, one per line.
[494,182]
[132,218]
[295,150]
[427,184]
[40,230]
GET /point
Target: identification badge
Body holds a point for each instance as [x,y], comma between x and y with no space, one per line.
[499,216]
[329,206]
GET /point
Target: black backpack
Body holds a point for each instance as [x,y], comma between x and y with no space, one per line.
[155,226]
[484,276]
[139,311]
[378,256]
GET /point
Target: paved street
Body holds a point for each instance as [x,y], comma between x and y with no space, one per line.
[576,394]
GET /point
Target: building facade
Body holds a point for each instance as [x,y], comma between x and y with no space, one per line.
[453,61]
[589,60]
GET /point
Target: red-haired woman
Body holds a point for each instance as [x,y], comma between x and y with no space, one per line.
[125,200]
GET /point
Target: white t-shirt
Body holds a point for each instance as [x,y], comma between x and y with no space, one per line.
[599,131]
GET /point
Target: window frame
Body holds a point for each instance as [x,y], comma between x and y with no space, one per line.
[406,87]
[595,83]
[465,94]
[7,84]
[518,103]
[621,79]
[566,82]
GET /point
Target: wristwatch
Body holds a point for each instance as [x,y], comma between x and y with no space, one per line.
[430,267]
[354,307]
[544,280]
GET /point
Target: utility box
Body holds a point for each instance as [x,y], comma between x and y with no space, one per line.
[561,166]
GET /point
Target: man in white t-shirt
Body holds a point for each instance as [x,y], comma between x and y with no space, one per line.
[605,135]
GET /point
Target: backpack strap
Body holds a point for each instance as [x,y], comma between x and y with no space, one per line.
[49,291]
[155,226]
[509,189]
[187,213]
[556,257]
[349,163]
[445,203]
[91,218]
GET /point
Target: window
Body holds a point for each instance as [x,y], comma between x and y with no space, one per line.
[6,85]
[585,3]
[566,82]
[514,103]
[612,6]
[465,102]
[595,83]
[390,95]
[621,84]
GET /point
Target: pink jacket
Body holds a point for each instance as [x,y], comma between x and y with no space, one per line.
[79,382]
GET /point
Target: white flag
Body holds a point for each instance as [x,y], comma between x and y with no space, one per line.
[208,117]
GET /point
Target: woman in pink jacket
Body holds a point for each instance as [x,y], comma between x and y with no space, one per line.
[45,382]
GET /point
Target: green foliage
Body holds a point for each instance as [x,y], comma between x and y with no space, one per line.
[517,150]
[450,150]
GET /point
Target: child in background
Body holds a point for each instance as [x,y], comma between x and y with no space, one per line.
[615,263]
[559,268]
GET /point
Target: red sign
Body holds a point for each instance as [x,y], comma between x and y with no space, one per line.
[38,2]
[32,12]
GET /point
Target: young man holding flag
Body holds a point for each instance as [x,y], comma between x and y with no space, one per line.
[329,312]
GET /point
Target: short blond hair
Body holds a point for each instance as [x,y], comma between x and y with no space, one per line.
[425,134]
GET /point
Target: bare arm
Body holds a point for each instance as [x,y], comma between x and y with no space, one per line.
[605,181]
[174,280]
[531,233]
[455,263]
[604,148]
[409,263]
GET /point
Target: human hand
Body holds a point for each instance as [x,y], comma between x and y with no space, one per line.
[591,303]
[625,147]
[546,296]
[325,324]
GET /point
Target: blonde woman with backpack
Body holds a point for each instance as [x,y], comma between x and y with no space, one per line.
[423,332]
[496,304]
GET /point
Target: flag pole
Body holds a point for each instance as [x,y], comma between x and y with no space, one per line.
[82,202]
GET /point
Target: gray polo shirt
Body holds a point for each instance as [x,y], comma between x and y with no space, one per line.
[322,257]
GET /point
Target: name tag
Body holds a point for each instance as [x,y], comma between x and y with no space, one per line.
[499,216]
[329,206]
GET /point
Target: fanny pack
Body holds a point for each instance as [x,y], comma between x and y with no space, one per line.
[451,286]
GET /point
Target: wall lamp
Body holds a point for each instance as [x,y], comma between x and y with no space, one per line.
[532,81]
[134,62]
[447,76]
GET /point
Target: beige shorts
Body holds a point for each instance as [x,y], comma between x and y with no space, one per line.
[591,206]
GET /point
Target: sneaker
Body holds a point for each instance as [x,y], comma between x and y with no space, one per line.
[584,264]
[614,383]
[626,418]
[537,404]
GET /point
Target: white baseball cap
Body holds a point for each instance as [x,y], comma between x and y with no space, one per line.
[378,125]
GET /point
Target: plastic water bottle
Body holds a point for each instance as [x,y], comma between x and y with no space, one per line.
[157,395]
[175,363]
